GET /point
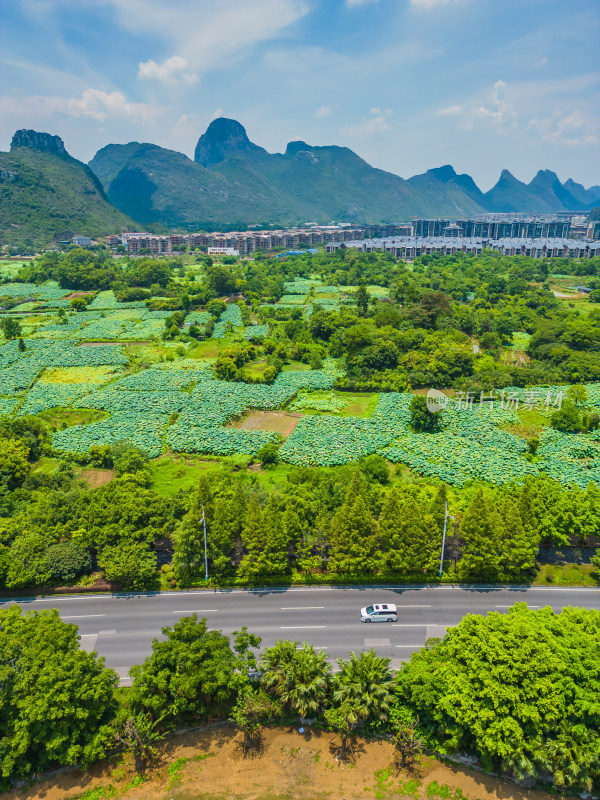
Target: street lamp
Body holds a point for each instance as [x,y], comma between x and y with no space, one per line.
[205,545]
[446,516]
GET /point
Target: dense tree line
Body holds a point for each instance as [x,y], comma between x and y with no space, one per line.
[349,522]
[517,690]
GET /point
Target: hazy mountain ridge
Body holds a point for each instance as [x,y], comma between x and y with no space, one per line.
[233,179]
[46,194]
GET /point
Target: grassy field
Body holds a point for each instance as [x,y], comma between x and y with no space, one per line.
[173,473]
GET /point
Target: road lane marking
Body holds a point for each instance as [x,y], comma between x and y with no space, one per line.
[410,645]
[83,616]
[88,642]
[300,608]
[196,611]
[300,627]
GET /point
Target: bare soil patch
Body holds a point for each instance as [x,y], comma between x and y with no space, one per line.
[73,295]
[282,422]
[209,765]
[96,477]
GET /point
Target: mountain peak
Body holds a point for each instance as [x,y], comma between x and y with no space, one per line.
[223,138]
[296,147]
[42,142]
[442,174]
[544,176]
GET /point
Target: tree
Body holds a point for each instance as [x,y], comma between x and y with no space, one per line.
[351,536]
[56,700]
[481,529]
[78,304]
[66,562]
[132,564]
[519,546]
[299,677]
[253,709]
[136,734]
[268,455]
[366,682]
[14,466]
[567,418]
[28,565]
[344,718]
[516,690]
[421,419]
[264,539]
[189,676]
[188,539]
[408,542]
[11,327]
[375,468]
[362,299]
[577,393]
[408,745]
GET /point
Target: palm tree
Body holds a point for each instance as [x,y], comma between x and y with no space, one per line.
[308,681]
[299,676]
[365,682]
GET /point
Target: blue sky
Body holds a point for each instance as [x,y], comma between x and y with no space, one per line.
[407,84]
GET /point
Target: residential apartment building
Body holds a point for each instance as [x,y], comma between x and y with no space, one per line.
[410,247]
[500,227]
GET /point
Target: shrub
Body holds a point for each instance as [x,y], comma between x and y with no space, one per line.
[67,562]
[132,564]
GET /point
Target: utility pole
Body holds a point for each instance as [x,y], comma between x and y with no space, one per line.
[446,516]
[206,547]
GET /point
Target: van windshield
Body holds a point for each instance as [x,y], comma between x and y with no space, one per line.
[369,609]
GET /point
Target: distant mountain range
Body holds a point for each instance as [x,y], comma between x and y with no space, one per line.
[233,181]
[47,195]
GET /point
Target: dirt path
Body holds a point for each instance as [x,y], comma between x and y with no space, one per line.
[208,765]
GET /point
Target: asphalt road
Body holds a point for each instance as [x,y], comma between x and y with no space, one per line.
[121,627]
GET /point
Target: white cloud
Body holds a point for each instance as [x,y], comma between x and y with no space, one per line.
[172,71]
[566,129]
[369,126]
[98,105]
[207,34]
[93,103]
[450,111]
[324,111]
[356,3]
[499,111]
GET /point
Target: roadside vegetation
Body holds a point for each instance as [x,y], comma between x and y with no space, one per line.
[60,705]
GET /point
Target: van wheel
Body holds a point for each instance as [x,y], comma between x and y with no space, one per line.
[368,620]
[389,620]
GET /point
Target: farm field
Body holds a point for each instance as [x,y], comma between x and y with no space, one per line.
[106,374]
[179,405]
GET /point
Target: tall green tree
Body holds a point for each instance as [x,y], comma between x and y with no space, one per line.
[519,547]
[264,539]
[56,701]
[351,537]
[481,529]
[189,675]
[519,690]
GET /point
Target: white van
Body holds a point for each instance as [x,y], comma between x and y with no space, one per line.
[379,612]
